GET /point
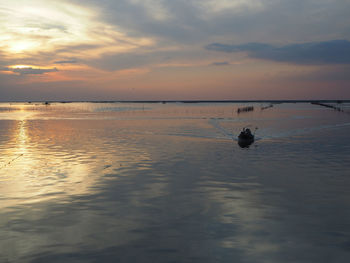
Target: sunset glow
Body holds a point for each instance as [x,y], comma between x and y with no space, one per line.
[228,49]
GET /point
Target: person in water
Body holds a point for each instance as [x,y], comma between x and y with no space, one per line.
[245,138]
[246,134]
[246,131]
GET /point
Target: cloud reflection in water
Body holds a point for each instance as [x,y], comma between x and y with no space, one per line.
[164,182]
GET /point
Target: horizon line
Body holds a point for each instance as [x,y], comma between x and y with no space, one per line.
[177,101]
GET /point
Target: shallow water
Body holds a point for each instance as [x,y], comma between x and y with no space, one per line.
[148,182]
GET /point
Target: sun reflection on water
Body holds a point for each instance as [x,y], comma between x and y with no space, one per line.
[44,159]
[33,172]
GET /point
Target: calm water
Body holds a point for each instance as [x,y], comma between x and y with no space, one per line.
[119,182]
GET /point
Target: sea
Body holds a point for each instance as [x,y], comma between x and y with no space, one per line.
[168,182]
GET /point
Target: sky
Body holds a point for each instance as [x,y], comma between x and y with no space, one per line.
[174,49]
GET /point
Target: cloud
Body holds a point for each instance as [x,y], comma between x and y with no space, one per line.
[28,70]
[104,36]
[223,63]
[66,61]
[313,53]
[151,58]
[192,21]
[44,30]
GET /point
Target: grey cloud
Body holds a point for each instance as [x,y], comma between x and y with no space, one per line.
[315,53]
[223,63]
[189,21]
[66,61]
[185,20]
[29,70]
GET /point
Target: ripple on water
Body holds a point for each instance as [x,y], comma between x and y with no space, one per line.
[95,182]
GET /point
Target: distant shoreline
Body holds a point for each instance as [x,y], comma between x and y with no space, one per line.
[180,101]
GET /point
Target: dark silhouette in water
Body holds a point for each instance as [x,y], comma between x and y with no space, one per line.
[327,105]
[267,107]
[245,138]
[245,109]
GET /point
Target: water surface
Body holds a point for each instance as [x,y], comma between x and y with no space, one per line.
[152,182]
